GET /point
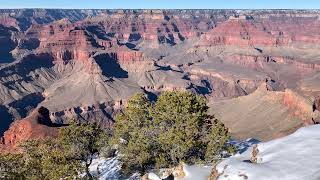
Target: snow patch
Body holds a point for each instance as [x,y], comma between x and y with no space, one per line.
[197,172]
[109,169]
[106,168]
[294,157]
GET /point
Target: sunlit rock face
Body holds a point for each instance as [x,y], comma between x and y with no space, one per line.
[85,64]
[36,126]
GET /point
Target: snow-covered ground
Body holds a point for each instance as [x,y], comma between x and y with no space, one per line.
[295,157]
[106,168]
[194,172]
[109,169]
[197,172]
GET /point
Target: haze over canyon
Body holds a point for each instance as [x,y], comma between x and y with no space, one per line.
[259,69]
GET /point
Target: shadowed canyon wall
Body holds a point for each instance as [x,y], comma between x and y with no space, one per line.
[85,64]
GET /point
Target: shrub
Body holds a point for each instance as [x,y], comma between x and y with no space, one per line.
[47,159]
[66,157]
[11,166]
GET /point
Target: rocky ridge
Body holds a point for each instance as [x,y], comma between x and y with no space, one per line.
[36,126]
[84,64]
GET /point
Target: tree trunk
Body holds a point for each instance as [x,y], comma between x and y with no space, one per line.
[89,175]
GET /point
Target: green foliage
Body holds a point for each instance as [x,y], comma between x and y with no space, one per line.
[66,157]
[82,141]
[136,117]
[11,166]
[47,159]
[134,127]
[177,127]
[217,141]
[180,117]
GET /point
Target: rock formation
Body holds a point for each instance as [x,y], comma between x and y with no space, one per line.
[85,64]
[254,154]
[36,126]
[316,104]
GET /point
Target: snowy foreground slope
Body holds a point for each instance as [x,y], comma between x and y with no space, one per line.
[295,157]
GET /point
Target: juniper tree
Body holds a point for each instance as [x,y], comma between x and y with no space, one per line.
[180,117]
[177,127]
[83,141]
[133,133]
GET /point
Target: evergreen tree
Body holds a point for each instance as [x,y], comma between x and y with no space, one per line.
[47,159]
[177,127]
[180,117]
[216,141]
[83,141]
[133,133]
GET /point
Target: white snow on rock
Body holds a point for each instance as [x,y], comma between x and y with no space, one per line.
[109,169]
[153,176]
[294,157]
[242,146]
[106,168]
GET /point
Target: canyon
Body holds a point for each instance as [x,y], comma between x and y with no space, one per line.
[259,69]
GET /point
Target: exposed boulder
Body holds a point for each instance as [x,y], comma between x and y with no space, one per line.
[254,154]
[316,104]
